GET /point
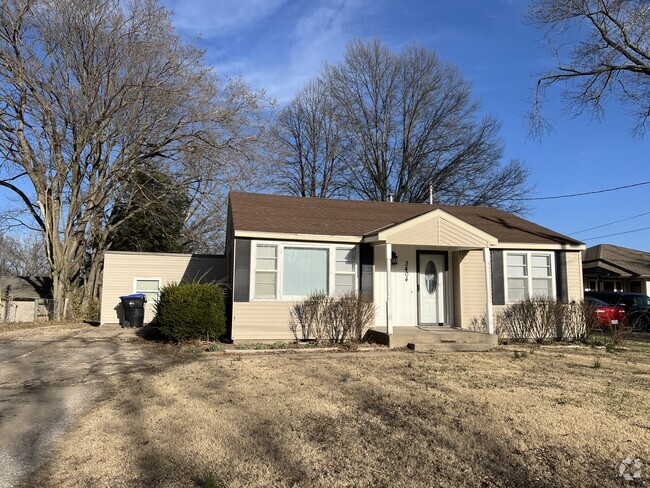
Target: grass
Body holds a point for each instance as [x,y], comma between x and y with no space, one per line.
[44,326]
[371,419]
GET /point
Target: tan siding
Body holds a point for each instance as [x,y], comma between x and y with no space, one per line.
[121,270]
[454,235]
[261,321]
[574,275]
[473,291]
[436,231]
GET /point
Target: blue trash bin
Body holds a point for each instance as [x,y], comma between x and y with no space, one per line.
[133,309]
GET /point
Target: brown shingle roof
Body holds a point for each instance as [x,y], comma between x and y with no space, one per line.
[319,216]
[616,260]
[26,286]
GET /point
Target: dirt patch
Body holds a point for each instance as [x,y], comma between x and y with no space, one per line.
[542,417]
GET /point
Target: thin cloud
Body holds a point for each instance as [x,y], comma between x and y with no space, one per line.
[320,34]
[219,18]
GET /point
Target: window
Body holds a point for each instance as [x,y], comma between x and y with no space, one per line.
[542,275]
[305,271]
[517,277]
[149,286]
[529,274]
[266,271]
[346,271]
[611,285]
[291,271]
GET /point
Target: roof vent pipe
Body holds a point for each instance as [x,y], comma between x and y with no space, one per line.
[390,197]
[430,194]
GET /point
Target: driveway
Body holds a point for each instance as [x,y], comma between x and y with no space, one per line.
[49,376]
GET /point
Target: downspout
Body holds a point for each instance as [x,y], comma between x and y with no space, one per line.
[487,258]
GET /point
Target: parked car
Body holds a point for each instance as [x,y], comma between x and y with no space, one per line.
[636,305]
[607,314]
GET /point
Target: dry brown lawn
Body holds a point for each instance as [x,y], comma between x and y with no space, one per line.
[30,328]
[368,419]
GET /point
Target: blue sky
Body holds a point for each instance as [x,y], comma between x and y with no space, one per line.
[278,45]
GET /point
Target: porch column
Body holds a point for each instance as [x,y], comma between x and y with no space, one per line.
[487,258]
[389,307]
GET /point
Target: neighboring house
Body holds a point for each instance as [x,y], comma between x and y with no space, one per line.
[421,264]
[613,268]
[142,272]
[25,298]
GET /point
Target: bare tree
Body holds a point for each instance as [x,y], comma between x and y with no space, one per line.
[611,59]
[407,121]
[23,255]
[309,145]
[90,90]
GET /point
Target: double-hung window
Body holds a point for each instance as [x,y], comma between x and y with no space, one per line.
[346,271]
[150,287]
[266,271]
[529,274]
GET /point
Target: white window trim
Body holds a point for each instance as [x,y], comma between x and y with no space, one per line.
[529,269]
[146,278]
[280,296]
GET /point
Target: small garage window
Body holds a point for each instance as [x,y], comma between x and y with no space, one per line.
[149,286]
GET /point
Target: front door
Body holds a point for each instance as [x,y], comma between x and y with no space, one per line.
[431,289]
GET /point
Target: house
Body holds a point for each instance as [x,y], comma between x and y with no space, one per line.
[422,265]
[25,298]
[146,272]
[614,268]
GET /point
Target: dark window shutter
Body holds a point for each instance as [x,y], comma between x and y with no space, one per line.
[366,259]
[561,284]
[498,280]
[241,292]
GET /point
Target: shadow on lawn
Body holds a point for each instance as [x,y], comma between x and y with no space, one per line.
[378,434]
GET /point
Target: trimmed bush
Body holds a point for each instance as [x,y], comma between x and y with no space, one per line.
[191,311]
[543,319]
[337,320]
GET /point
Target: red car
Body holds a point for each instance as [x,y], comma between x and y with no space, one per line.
[607,314]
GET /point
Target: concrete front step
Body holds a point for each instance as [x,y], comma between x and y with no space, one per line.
[443,339]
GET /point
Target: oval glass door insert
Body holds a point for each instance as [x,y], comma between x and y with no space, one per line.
[430,277]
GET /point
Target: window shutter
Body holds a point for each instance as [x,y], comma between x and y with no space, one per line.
[241,292]
[561,284]
[366,259]
[498,281]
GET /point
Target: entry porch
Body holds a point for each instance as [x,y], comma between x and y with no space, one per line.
[432,282]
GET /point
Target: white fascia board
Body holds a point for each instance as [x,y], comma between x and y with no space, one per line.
[278,236]
[540,247]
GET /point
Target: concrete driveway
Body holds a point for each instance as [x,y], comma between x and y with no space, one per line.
[49,376]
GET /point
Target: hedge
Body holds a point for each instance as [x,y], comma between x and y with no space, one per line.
[191,311]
